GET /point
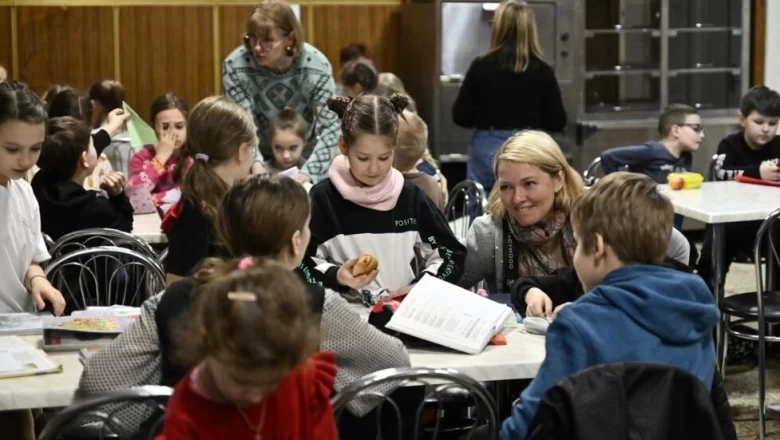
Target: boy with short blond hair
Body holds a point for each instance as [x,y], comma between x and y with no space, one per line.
[634,310]
[411,146]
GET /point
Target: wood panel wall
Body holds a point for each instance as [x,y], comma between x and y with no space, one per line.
[758,41]
[168,45]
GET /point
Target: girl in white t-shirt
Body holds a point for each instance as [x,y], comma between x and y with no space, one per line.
[24,286]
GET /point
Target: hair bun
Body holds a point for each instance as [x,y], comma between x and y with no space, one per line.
[399,102]
[339,104]
[287,108]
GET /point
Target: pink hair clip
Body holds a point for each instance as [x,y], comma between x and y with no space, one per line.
[244,263]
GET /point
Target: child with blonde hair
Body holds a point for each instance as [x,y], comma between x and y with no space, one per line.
[412,145]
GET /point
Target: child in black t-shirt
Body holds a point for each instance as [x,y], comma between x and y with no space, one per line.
[753,151]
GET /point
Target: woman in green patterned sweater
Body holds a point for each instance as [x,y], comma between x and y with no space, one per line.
[274,68]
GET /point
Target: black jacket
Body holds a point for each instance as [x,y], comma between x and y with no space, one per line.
[562,285]
[628,401]
[175,304]
[66,207]
[735,157]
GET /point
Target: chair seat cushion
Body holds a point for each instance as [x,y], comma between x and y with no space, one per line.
[745,305]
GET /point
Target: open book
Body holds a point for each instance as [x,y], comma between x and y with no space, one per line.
[445,314]
[18,358]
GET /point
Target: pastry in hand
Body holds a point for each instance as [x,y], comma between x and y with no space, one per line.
[364,264]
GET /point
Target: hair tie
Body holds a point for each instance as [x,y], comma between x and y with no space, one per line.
[242,296]
[203,157]
[245,263]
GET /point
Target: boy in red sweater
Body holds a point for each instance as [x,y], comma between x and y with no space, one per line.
[254,335]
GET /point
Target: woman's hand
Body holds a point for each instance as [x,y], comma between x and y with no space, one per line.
[113,183]
[41,290]
[559,308]
[539,304]
[115,121]
[166,146]
[345,278]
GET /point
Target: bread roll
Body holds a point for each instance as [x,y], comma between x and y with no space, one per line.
[365,264]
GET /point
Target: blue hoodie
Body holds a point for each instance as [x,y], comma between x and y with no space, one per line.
[637,313]
[651,158]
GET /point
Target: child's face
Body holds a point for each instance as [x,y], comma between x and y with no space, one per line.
[527,192]
[98,113]
[243,387]
[370,158]
[20,147]
[3,74]
[691,133]
[589,271]
[354,90]
[90,158]
[287,148]
[301,242]
[759,129]
[171,120]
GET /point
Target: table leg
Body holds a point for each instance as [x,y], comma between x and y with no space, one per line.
[718,231]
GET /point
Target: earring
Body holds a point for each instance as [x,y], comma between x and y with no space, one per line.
[290,51]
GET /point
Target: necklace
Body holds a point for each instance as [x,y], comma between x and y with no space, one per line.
[258,431]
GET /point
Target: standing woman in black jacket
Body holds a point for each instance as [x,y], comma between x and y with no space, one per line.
[508,89]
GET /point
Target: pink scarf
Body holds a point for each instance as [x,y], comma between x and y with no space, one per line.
[381,197]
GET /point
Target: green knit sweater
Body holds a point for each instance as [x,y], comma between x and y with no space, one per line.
[305,87]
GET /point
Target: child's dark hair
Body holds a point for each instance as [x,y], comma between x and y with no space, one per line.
[67,138]
[53,90]
[369,114]
[289,119]
[674,114]
[69,102]
[216,129]
[353,51]
[360,72]
[256,317]
[19,103]
[108,93]
[762,100]
[168,101]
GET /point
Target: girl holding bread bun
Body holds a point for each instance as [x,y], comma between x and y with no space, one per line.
[370,228]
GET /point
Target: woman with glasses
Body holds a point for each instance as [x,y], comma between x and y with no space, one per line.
[510,88]
[275,69]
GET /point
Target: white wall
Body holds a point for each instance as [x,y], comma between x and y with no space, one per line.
[772,55]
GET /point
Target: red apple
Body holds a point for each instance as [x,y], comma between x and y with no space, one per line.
[677,183]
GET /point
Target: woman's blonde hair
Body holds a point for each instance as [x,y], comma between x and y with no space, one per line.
[537,148]
[514,27]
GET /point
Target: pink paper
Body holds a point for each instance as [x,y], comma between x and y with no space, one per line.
[141,199]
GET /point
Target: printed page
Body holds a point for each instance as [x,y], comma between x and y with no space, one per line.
[19,323]
[18,358]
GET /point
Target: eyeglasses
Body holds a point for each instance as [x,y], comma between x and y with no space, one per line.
[695,127]
[250,41]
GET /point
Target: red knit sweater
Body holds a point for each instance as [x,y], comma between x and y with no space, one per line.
[298,409]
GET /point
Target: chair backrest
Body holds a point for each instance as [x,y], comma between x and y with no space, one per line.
[765,240]
[104,276]
[88,238]
[162,257]
[440,387]
[608,401]
[467,201]
[711,169]
[590,174]
[104,416]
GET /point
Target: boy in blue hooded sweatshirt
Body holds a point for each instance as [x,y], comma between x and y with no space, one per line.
[634,309]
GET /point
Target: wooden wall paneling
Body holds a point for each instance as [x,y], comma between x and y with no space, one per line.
[375,25]
[64,45]
[166,48]
[758,46]
[6,50]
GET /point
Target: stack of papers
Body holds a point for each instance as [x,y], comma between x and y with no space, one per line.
[84,331]
[18,358]
[20,324]
[445,314]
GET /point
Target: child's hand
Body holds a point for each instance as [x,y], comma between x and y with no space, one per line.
[770,171]
[113,183]
[559,308]
[539,304]
[302,178]
[402,291]
[115,121]
[345,278]
[166,145]
[41,291]
[258,168]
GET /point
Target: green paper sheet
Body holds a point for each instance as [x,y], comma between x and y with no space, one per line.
[140,132]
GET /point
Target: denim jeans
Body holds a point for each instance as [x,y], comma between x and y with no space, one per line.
[484,146]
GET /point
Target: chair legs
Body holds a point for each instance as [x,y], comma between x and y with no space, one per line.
[725,351]
[761,385]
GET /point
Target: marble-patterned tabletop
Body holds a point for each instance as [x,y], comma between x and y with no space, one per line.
[147,228]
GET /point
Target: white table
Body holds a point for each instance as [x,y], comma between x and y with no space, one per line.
[44,391]
[147,228]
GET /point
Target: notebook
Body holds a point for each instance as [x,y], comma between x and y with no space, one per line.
[18,359]
[445,314]
[745,179]
[141,199]
[77,332]
[141,134]
[20,324]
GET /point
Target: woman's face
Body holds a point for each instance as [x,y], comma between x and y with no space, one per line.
[527,192]
[20,147]
[370,158]
[270,49]
[174,121]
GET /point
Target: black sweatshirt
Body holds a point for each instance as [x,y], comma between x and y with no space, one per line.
[562,285]
[67,207]
[492,96]
[735,157]
[100,140]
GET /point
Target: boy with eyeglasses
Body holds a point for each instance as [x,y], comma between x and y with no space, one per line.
[753,151]
[681,133]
